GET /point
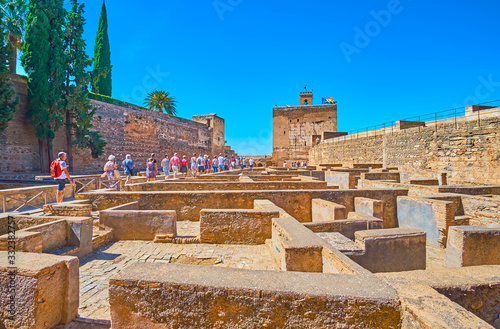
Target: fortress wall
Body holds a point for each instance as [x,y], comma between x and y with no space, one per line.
[126,130]
[468,152]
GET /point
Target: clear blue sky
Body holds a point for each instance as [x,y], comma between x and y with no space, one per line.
[247,56]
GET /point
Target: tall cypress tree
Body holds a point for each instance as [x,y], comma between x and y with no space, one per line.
[44,61]
[8,100]
[79,112]
[101,80]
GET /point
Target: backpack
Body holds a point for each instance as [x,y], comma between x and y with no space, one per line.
[55,169]
[200,161]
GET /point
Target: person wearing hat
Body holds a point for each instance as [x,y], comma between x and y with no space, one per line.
[60,175]
[109,170]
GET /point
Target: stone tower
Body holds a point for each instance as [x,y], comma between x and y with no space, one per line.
[298,128]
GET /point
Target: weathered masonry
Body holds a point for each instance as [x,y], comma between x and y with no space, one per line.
[467,148]
[127,130]
[297,128]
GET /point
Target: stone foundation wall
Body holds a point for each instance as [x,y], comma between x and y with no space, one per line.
[468,153]
[152,295]
[236,226]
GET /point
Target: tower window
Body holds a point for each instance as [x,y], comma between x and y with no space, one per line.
[284,133]
[297,120]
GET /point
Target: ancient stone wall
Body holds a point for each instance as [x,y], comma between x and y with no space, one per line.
[468,150]
[295,129]
[126,130]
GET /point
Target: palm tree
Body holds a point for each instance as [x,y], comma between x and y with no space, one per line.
[161,101]
[14,14]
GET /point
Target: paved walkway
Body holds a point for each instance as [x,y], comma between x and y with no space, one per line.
[97,267]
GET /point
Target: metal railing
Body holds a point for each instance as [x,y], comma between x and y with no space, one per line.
[455,114]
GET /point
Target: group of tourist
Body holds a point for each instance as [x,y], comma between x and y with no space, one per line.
[197,165]
[182,167]
[296,164]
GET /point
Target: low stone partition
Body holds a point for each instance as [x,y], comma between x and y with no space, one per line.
[224,186]
[371,207]
[70,209]
[390,250]
[472,246]
[298,203]
[431,182]
[347,227]
[463,297]
[130,223]
[236,226]
[432,214]
[187,296]
[46,290]
[392,176]
[323,210]
[65,235]
[367,165]
[296,248]
[344,180]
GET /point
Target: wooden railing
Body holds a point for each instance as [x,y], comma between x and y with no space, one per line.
[24,203]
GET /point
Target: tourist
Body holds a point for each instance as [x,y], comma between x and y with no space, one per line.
[226,162]
[215,164]
[241,163]
[174,163]
[284,164]
[233,162]
[109,172]
[205,162]
[317,140]
[194,167]
[151,170]
[165,163]
[250,163]
[128,167]
[237,162]
[220,161]
[59,172]
[245,163]
[201,166]
[155,162]
[209,164]
[184,166]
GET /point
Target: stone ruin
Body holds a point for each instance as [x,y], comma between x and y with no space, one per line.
[328,246]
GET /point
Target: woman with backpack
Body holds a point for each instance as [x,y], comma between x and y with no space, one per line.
[151,170]
[109,170]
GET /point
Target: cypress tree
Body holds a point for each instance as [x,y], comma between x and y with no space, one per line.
[8,100]
[79,112]
[101,80]
[44,61]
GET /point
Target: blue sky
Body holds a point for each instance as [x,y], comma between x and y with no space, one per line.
[240,58]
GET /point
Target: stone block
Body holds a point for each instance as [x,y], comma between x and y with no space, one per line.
[347,227]
[442,178]
[391,250]
[139,224]
[472,246]
[371,207]
[153,295]
[23,241]
[46,290]
[236,226]
[323,210]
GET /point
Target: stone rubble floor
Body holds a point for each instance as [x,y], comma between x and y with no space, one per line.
[97,267]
